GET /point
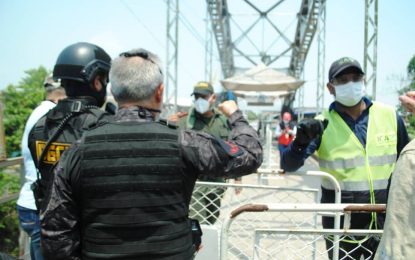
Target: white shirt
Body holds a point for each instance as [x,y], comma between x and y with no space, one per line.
[279,131]
[26,198]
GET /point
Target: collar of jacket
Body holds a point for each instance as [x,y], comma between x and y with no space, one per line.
[133,113]
[191,117]
[65,106]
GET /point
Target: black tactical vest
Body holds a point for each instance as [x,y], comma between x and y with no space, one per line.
[132,193]
[85,118]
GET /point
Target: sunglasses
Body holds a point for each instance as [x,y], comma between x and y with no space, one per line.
[141,54]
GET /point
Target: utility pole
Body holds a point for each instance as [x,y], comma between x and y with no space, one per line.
[172,54]
[208,49]
[371,44]
[321,56]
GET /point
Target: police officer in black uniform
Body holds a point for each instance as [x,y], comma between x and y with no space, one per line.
[83,71]
[123,191]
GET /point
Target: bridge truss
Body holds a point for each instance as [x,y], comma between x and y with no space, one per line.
[242,41]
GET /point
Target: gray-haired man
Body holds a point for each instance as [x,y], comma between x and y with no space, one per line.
[123,191]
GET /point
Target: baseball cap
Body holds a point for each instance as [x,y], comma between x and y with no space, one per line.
[50,83]
[341,64]
[203,88]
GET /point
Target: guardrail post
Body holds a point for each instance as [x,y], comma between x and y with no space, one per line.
[337,200]
[224,238]
[268,145]
[346,209]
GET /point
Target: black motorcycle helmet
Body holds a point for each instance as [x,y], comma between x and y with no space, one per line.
[78,65]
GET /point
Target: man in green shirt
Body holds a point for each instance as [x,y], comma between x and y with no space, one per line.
[203,116]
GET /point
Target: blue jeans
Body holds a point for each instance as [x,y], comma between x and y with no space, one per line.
[281,148]
[29,222]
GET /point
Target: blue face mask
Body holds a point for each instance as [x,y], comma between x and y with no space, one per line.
[202,105]
[350,94]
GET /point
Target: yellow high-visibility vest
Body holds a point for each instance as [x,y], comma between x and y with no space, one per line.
[359,168]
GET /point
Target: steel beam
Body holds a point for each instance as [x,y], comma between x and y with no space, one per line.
[306,28]
[219,15]
[208,49]
[321,57]
[171,80]
[371,43]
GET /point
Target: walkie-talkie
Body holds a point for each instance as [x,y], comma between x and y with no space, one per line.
[229,95]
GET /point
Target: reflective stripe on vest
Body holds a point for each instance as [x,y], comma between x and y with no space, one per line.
[342,155]
[358,162]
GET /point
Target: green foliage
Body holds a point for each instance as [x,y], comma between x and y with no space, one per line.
[409,87]
[411,69]
[411,75]
[411,128]
[9,225]
[19,101]
[412,121]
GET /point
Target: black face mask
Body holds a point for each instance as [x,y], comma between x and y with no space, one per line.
[100,96]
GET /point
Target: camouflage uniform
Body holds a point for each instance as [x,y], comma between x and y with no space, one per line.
[206,201]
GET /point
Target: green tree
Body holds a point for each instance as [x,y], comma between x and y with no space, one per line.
[19,101]
[9,225]
[411,76]
[411,69]
[410,87]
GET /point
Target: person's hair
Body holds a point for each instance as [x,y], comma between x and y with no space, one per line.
[75,88]
[53,89]
[135,75]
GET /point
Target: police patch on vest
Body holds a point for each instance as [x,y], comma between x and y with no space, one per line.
[386,139]
[54,153]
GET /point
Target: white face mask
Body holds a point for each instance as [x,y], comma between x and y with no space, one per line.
[202,105]
[350,94]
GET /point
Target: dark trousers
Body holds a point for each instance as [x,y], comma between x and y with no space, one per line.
[205,204]
[358,221]
[349,250]
[281,148]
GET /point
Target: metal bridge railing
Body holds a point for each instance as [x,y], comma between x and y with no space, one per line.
[298,242]
[234,195]
[337,192]
[4,164]
[214,216]
[24,241]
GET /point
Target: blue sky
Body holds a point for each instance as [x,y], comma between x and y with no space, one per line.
[34,32]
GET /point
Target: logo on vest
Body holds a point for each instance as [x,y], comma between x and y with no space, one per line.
[54,153]
[386,139]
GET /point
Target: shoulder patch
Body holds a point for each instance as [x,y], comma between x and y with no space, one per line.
[230,148]
[54,152]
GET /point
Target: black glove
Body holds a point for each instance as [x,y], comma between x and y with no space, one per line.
[309,129]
